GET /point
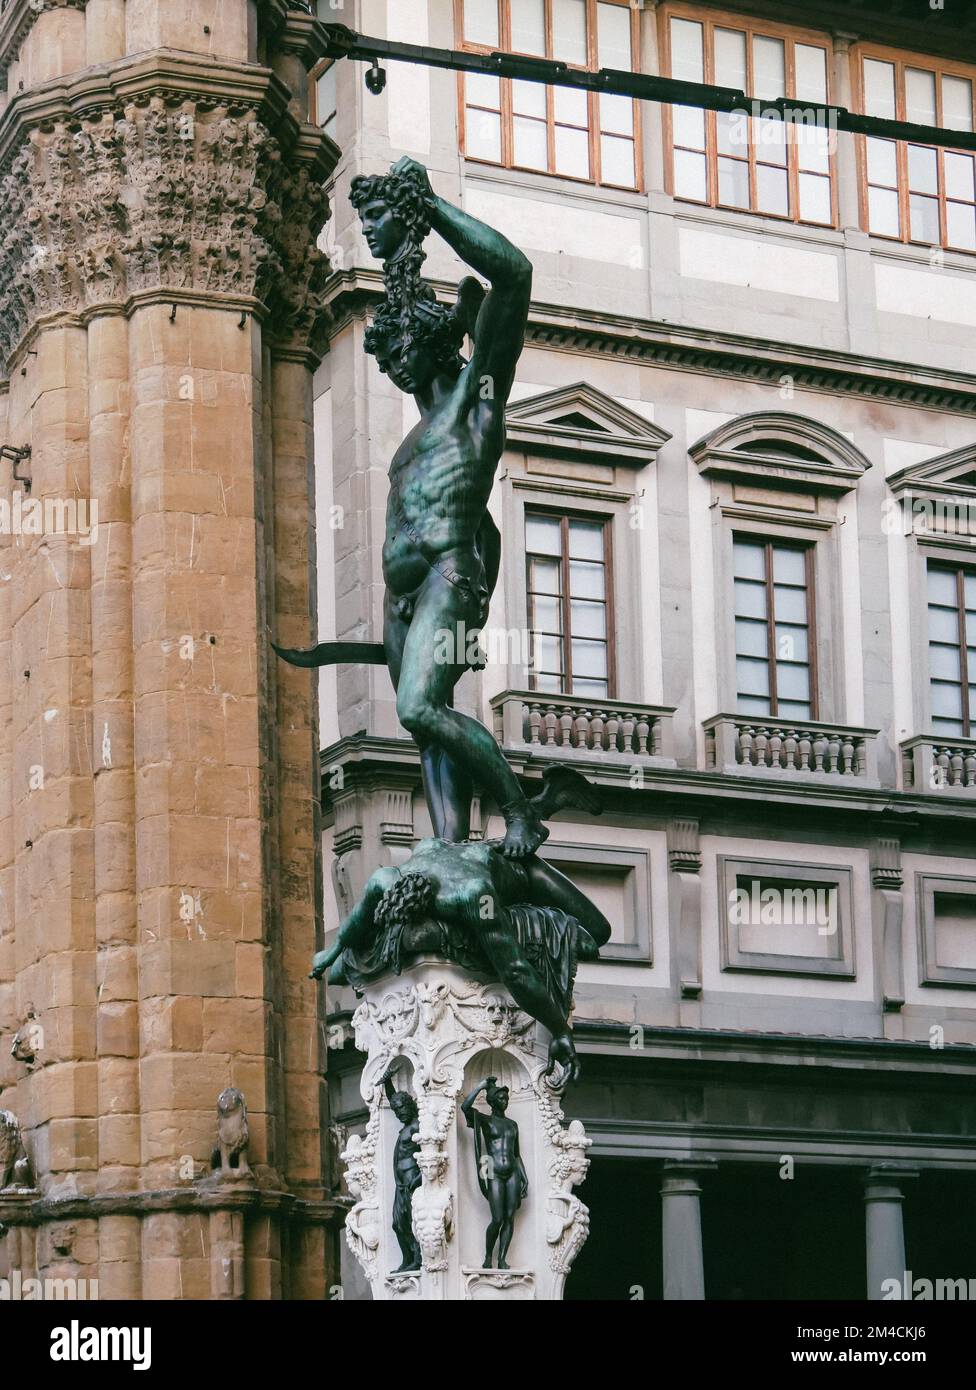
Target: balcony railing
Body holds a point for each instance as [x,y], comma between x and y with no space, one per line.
[931,765]
[566,724]
[736,743]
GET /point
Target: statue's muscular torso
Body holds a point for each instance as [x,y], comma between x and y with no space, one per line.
[501,1135]
[440,481]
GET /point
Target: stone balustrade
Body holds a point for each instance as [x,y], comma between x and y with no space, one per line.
[737,743]
[566,723]
[931,765]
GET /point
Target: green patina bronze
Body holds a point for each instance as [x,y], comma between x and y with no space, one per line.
[441,552]
[441,557]
[519,919]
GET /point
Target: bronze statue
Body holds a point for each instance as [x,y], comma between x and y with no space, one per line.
[442,549]
[406,1174]
[501,1172]
[441,558]
[441,553]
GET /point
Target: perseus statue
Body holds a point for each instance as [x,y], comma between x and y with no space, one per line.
[442,550]
[441,557]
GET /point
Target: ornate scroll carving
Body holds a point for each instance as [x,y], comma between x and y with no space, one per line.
[431,1025]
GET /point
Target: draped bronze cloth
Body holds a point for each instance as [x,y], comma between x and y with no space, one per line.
[547,936]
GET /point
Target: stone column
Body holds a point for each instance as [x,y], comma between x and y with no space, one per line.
[846,153]
[889,911]
[681,1235]
[884,1226]
[160,316]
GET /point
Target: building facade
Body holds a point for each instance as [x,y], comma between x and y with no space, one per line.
[737,507]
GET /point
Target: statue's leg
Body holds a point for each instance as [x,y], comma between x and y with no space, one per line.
[549,888]
[424,696]
[410,1252]
[510,1190]
[455,790]
[494,1226]
[432,760]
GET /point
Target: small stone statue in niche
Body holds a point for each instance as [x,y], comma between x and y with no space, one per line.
[15,1166]
[406,1174]
[229,1158]
[501,1172]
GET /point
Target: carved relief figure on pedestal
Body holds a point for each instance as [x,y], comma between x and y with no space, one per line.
[15,1166]
[406,1173]
[362,1222]
[501,1172]
[567,1219]
[433,1208]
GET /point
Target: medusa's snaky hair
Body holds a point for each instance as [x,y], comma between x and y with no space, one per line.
[410,898]
[423,321]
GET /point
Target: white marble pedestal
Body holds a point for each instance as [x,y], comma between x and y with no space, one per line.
[444,1030]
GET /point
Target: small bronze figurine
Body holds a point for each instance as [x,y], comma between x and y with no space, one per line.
[406,1174]
[501,1173]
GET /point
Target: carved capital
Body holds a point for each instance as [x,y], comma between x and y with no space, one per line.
[170,192]
[684,846]
[886,871]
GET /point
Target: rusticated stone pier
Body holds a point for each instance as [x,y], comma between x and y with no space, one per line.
[162,193]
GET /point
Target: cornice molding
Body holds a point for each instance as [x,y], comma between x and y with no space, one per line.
[942,476]
[34,1210]
[755,447]
[602,430]
[353,293]
[367,760]
[168,75]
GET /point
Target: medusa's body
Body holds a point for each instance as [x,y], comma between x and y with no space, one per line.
[474,885]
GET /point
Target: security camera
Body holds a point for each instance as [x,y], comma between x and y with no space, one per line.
[375,78]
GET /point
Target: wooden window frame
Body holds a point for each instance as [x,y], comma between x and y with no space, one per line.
[606,522]
[313,89]
[791,34]
[965,683]
[506,114]
[809,578]
[902,60]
